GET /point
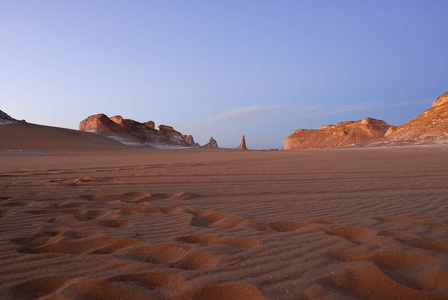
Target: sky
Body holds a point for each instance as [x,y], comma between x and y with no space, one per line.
[222,68]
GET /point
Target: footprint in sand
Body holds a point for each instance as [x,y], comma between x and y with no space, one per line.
[414,221]
[36,288]
[360,235]
[229,241]
[70,241]
[177,256]
[292,226]
[235,291]
[159,285]
[103,290]
[92,218]
[138,197]
[367,281]
[390,267]
[416,241]
[217,219]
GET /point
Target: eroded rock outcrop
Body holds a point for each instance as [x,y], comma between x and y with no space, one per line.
[339,135]
[7,119]
[134,133]
[212,143]
[242,145]
[431,126]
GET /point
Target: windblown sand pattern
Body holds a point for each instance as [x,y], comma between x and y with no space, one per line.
[224,224]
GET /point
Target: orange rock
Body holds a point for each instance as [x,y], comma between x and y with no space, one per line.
[339,135]
[134,133]
[242,144]
[431,126]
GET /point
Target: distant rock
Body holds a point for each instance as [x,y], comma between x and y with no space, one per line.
[189,139]
[212,143]
[134,133]
[431,126]
[7,119]
[339,135]
[242,145]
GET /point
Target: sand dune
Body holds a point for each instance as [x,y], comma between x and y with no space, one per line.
[82,222]
[32,137]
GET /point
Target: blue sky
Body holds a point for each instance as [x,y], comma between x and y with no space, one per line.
[222,68]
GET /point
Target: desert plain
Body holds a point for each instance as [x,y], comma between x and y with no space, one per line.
[83,218]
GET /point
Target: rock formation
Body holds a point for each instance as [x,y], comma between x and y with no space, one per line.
[134,133]
[339,135]
[242,145]
[7,119]
[189,139]
[431,126]
[212,143]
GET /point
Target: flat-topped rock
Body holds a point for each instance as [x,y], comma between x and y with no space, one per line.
[134,133]
[338,135]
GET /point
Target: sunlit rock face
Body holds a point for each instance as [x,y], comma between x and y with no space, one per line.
[134,133]
[431,126]
[339,135]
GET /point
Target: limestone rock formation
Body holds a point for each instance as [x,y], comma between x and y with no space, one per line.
[189,139]
[431,126]
[242,145]
[441,100]
[150,124]
[7,119]
[339,135]
[134,133]
[212,143]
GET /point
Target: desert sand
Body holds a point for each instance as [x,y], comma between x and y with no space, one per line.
[85,218]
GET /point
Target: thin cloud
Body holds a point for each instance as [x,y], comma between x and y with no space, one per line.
[319,110]
[242,112]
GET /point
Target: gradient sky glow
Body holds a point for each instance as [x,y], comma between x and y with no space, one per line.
[222,68]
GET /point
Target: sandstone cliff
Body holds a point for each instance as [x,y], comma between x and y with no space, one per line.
[134,133]
[431,126]
[339,135]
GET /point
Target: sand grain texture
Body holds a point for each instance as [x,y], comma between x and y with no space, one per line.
[111,223]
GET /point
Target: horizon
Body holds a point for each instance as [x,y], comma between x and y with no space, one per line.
[223,69]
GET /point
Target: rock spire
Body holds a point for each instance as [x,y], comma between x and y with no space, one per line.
[242,145]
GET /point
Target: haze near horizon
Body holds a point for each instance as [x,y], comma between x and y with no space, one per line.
[222,69]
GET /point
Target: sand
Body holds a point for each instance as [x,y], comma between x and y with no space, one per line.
[91,220]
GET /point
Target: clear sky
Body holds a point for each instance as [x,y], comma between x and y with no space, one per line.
[222,68]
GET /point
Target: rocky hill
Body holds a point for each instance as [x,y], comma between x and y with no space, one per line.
[339,135]
[6,119]
[431,126]
[134,133]
[212,143]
